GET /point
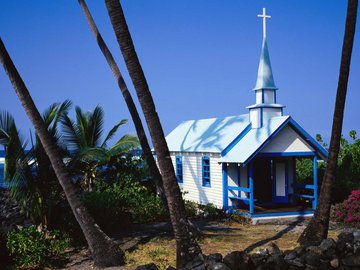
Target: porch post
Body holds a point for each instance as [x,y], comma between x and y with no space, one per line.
[251,186]
[225,187]
[314,203]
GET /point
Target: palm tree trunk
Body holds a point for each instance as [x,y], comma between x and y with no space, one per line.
[104,251]
[317,229]
[154,171]
[187,247]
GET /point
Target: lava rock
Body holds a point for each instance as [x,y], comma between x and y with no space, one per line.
[218,266]
[212,259]
[344,243]
[352,261]
[149,266]
[259,259]
[327,245]
[356,235]
[276,262]
[238,260]
[290,256]
[273,249]
[314,249]
[262,251]
[198,263]
[334,263]
[298,262]
[312,259]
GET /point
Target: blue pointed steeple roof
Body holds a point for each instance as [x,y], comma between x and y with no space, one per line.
[265,79]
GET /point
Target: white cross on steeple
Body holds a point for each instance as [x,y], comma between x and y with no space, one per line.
[264,16]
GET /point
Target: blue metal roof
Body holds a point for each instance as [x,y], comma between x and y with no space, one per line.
[207,135]
[233,137]
[253,140]
[265,79]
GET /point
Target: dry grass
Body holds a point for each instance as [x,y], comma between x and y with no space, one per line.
[161,250]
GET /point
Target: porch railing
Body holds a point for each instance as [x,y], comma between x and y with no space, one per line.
[312,197]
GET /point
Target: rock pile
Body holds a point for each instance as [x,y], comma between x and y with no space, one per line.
[10,215]
[343,254]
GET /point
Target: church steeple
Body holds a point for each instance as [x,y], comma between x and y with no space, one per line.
[265,78]
[265,89]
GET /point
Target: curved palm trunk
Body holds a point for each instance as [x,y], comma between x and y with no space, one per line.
[104,251]
[319,225]
[187,247]
[128,99]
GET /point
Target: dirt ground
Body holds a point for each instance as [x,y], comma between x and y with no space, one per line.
[154,243]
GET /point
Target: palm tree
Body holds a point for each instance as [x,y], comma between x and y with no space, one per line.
[83,140]
[318,227]
[33,183]
[154,171]
[104,251]
[187,249]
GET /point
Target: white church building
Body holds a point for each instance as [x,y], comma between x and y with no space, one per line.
[247,163]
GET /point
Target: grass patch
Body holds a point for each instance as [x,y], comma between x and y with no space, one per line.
[161,250]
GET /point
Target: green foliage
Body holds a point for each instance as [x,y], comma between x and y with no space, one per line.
[209,211]
[32,181]
[88,152]
[119,204]
[348,168]
[191,208]
[31,248]
[348,171]
[304,170]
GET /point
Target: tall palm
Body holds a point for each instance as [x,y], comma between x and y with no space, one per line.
[318,227]
[154,171]
[104,251]
[187,247]
[33,183]
[83,138]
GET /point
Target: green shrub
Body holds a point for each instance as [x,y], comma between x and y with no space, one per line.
[211,211]
[122,203]
[191,208]
[31,248]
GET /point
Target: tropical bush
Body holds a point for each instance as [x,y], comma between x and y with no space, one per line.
[209,211]
[32,181]
[121,203]
[31,248]
[348,212]
[348,168]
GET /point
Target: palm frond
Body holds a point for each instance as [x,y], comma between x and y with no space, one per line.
[62,110]
[112,132]
[50,114]
[97,154]
[126,143]
[82,125]
[6,124]
[70,134]
[96,125]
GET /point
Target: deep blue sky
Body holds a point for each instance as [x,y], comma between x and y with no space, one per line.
[200,58]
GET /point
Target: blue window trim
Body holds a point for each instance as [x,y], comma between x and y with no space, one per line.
[206,171]
[179,169]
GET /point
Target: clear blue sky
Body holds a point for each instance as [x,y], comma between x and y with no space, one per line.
[200,58]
